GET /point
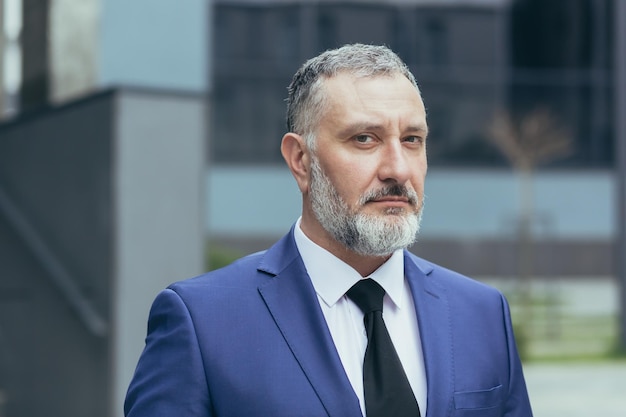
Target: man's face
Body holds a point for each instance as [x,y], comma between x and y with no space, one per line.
[367,173]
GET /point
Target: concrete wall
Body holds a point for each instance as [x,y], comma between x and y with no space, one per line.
[54,167]
[159,202]
[100,208]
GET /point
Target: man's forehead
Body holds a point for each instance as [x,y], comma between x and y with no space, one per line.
[345,86]
[347,79]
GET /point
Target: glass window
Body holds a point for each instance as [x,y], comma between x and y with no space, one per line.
[469,62]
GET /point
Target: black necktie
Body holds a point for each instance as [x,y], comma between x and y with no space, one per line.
[386,387]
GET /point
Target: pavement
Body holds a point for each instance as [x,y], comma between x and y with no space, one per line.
[577,389]
[560,388]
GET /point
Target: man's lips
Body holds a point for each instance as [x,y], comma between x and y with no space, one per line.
[392,196]
[391,200]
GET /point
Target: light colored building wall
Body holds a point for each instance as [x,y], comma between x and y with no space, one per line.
[158,183]
[2,48]
[73,42]
[94,44]
[157,44]
[463,204]
[10,59]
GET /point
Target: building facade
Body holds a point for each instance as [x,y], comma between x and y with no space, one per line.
[471,58]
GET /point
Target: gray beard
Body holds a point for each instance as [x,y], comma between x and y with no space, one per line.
[365,234]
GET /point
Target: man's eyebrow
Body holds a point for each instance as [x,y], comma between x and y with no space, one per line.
[366,126]
[420,128]
[353,128]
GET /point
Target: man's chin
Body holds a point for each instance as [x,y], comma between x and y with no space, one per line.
[395,212]
[390,215]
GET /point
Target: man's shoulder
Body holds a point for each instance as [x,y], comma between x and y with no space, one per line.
[246,273]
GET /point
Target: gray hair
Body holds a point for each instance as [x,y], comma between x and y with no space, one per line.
[306,100]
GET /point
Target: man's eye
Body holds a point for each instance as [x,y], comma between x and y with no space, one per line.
[363,138]
[413,139]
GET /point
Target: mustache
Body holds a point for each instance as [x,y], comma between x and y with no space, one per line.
[393,190]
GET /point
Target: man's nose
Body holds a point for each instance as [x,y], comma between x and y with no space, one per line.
[394,164]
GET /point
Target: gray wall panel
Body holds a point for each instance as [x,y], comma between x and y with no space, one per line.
[55,169]
[100,207]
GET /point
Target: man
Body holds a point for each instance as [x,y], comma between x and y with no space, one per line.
[283,333]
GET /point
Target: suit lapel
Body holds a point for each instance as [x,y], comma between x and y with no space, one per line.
[292,302]
[433,317]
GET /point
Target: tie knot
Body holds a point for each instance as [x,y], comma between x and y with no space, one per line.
[368,295]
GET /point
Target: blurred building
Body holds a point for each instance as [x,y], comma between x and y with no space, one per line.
[10,54]
[102,171]
[53,51]
[458,51]
[472,59]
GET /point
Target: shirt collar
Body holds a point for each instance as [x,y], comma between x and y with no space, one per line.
[332,278]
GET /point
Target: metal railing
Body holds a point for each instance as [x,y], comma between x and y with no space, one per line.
[57,272]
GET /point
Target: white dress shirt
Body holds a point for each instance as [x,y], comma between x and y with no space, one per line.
[331,278]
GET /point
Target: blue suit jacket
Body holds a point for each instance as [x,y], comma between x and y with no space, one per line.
[251,340]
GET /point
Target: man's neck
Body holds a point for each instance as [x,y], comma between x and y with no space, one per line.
[363,264]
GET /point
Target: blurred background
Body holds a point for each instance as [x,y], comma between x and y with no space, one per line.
[139,145]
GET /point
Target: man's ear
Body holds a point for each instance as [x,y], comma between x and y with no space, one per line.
[296,155]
